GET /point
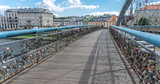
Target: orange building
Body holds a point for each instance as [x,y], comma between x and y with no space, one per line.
[103,21]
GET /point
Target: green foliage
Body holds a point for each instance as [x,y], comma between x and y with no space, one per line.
[25,36]
[30,36]
[143,21]
[63,18]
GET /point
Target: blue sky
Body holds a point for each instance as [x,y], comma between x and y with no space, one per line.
[68,7]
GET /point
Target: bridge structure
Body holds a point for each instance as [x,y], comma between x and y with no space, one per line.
[125,53]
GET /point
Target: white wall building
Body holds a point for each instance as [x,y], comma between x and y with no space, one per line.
[57,22]
[26,18]
[35,17]
[10,20]
[73,21]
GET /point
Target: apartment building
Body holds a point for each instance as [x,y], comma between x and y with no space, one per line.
[26,18]
[57,22]
[34,17]
[10,20]
[73,21]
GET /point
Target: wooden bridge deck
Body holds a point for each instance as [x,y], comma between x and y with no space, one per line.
[92,59]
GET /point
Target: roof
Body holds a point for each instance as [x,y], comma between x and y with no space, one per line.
[11,10]
[100,19]
[150,7]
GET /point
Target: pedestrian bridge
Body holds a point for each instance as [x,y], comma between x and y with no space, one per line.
[87,54]
[92,59]
[79,55]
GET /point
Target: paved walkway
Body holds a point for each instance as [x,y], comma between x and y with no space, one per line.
[92,59]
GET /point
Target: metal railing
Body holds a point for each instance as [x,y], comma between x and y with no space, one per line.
[142,59]
[19,55]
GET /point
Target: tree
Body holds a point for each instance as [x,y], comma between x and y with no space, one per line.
[143,21]
[107,15]
[63,18]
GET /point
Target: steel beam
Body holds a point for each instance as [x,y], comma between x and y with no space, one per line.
[123,10]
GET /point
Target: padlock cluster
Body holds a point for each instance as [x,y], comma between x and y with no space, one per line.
[142,61]
[20,55]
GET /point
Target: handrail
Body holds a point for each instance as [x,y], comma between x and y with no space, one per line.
[146,26]
[7,34]
[148,37]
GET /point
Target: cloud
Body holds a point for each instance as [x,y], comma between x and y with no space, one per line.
[70,4]
[78,4]
[102,13]
[88,7]
[50,4]
[3,8]
[22,0]
[156,2]
[57,15]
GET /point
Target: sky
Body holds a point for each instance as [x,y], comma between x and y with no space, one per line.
[68,7]
[62,8]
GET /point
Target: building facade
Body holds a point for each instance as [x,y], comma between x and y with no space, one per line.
[103,21]
[73,21]
[10,20]
[57,22]
[35,17]
[26,18]
[151,12]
